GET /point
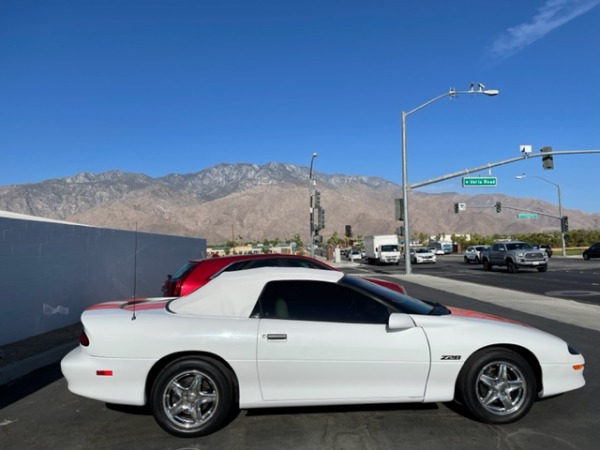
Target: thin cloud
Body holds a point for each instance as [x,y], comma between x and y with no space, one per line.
[550,16]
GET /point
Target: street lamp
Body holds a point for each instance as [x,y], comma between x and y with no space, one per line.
[560,215]
[451,93]
[312,209]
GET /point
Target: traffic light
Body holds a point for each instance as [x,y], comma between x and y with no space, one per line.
[498,207]
[456,208]
[321,219]
[547,160]
[348,231]
[317,199]
[564,224]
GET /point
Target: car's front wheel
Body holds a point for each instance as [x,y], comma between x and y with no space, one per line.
[466,260]
[497,386]
[542,268]
[192,397]
[512,267]
[486,265]
[586,256]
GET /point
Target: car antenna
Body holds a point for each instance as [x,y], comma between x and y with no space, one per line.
[133,317]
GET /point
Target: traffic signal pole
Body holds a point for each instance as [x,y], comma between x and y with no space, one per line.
[495,164]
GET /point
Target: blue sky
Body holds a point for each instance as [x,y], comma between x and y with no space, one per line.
[176,86]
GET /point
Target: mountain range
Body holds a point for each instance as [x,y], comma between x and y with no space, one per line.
[250,202]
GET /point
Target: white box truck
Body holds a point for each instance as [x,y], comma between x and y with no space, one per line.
[382,249]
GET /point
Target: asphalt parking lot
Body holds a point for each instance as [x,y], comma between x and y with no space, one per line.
[39,412]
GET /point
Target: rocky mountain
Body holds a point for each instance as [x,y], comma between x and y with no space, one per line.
[229,201]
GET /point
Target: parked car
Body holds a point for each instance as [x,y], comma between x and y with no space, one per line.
[421,255]
[592,252]
[473,253]
[354,255]
[245,338]
[198,272]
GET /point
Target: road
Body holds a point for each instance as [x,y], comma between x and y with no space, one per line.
[567,278]
[39,412]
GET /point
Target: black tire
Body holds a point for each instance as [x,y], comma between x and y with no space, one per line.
[497,386]
[191,397]
[586,257]
[486,265]
[542,268]
[477,260]
[512,267]
[466,260]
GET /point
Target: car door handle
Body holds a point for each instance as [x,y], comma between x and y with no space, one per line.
[277,337]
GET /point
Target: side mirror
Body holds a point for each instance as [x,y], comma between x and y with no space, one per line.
[400,321]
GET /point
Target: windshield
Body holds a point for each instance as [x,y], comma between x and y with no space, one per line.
[184,269]
[389,248]
[519,246]
[398,302]
[422,250]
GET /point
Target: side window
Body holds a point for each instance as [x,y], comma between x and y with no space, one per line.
[299,262]
[318,301]
[240,265]
[292,262]
[267,262]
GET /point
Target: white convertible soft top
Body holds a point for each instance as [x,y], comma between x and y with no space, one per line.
[234,294]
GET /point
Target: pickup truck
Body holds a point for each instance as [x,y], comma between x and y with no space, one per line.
[514,255]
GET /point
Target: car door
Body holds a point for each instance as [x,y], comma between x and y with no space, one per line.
[322,341]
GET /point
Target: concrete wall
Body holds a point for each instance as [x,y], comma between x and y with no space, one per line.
[50,272]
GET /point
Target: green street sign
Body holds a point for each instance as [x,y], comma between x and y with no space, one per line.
[479,181]
[527,216]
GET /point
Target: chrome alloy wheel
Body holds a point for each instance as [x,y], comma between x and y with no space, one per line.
[190,399]
[501,388]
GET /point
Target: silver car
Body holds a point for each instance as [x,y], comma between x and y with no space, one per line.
[473,253]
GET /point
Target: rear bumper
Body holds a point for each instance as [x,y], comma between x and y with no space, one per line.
[119,381]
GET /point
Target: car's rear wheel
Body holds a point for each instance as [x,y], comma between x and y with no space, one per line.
[497,386]
[512,267]
[191,397]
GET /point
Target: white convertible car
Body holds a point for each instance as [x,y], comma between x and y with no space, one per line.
[273,337]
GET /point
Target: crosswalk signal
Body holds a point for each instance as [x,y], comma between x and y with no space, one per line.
[564,224]
[498,207]
[547,160]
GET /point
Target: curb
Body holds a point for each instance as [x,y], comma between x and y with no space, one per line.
[16,370]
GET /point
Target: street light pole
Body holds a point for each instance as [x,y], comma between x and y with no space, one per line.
[312,209]
[451,93]
[560,214]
